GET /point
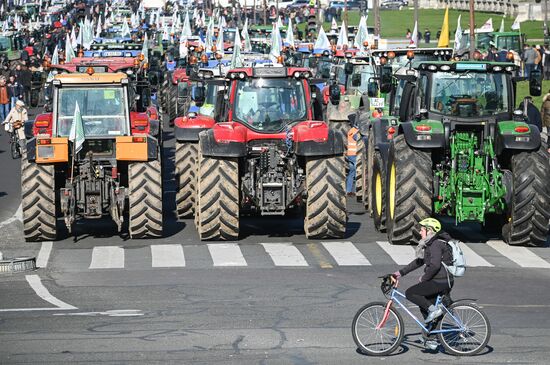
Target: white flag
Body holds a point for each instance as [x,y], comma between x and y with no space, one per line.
[458,35]
[289,40]
[517,24]
[414,36]
[488,26]
[276,44]
[322,41]
[501,25]
[77,130]
[343,36]
[246,37]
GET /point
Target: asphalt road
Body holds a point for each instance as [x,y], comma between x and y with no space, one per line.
[274,297]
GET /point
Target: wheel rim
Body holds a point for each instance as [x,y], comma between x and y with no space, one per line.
[371,339]
[473,335]
[378,194]
[392,190]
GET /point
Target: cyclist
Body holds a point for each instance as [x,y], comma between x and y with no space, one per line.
[432,251]
[16,121]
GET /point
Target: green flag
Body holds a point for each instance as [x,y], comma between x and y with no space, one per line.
[77,130]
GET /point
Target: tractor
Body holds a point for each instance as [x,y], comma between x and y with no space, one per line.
[115,171]
[269,154]
[459,148]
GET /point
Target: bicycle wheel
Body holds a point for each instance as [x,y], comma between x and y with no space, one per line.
[475,332]
[377,342]
[15,150]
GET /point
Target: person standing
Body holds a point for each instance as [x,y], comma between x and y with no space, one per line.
[4,99]
[532,112]
[427,36]
[529,58]
[351,157]
[15,90]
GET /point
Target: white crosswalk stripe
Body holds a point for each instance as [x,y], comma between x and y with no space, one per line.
[226,254]
[520,255]
[167,256]
[472,258]
[284,254]
[401,255]
[107,257]
[345,254]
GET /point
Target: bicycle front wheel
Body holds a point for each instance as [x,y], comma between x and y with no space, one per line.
[468,329]
[373,340]
[15,152]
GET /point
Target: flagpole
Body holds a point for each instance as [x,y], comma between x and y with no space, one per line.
[472,30]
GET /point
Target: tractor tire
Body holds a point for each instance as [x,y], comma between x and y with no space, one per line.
[38,201]
[186,178]
[409,191]
[368,173]
[528,216]
[326,213]
[378,193]
[145,199]
[360,164]
[217,206]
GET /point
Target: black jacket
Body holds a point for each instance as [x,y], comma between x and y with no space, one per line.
[437,251]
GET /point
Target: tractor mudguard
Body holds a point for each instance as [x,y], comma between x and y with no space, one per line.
[152,148]
[435,139]
[188,134]
[210,147]
[31,149]
[508,139]
[154,127]
[334,145]
[187,129]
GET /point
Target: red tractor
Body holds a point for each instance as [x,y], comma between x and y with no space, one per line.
[269,153]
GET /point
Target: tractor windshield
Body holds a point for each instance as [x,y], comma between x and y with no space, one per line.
[103,110]
[360,78]
[207,108]
[469,94]
[270,104]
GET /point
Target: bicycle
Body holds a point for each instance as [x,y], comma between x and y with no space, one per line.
[14,145]
[378,328]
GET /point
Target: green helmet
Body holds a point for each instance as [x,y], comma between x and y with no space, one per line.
[431,223]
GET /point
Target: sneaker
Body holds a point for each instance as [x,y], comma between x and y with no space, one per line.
[433,315]
[431,345]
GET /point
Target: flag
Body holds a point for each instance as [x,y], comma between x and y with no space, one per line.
[289,40]
[77,130]
[501,25]
[186,26]
[74,42]
[98,29]
[343,36]
[333,25]
[276,44]
[444,36]
[414,36]
[458,36]
[125,30]
[69,51]
[487,27]
[517,24]
[145,49]
[322,41]
[361,35]
[219,41]
[236,59]
[246,37]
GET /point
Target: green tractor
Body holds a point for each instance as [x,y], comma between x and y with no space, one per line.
[460,149]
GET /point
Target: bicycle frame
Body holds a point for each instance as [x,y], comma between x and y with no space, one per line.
[395,294]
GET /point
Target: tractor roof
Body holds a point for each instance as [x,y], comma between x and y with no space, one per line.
[96,78]
[269,71]
[466,66]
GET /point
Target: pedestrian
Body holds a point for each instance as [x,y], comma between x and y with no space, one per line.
[351,156]
[408,34]
[545,112]
[16,121]
[427,36]
[538,65]
[15,90]
[435,254]
[4,99]
[529,58]
[532,112]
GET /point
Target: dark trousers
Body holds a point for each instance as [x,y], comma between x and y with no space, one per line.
[424,294]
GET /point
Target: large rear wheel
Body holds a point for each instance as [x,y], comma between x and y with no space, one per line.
[528,216]
[378,192]
[360,176]
[38,201]
[409,191]
[217,209]
[145,199]
[186,178]
[326,213]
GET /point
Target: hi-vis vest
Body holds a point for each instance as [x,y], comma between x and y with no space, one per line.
[352,143]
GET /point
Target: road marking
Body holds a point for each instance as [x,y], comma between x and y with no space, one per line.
[285,254]
[44,254]
[107,257]
[402,255]
[346,254]
[520,255]
[472,258]
[323,262]
[167,256]
[18,216]
[226,254]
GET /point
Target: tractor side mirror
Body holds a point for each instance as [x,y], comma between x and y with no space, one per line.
[356,80]
[535,83]
[372,89]
[334,94]
[348,68]
[199,95]
[386,79]
[183,90]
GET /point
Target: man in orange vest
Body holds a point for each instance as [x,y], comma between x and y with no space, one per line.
[353,136]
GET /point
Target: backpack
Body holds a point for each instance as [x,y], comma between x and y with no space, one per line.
[458,266]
